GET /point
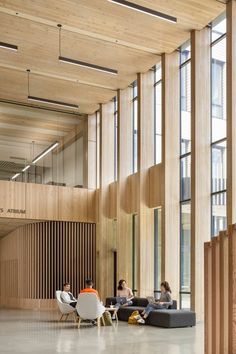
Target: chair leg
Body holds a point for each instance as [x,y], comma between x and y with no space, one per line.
[98,322]
[67,317]
[60,319]
[103,322]
[75,317]
[79,322]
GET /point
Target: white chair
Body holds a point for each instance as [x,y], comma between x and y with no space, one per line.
[89,308]
[64,308]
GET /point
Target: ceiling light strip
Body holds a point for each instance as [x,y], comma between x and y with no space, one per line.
[56,103]
[8,46]
[26,168]
[145,10]
[45,152]
[88,65]
[15,176]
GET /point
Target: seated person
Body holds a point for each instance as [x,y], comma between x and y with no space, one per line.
[162,303]
[89,288]
[67,297]
[124,292]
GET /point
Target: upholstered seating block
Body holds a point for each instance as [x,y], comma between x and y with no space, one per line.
[172,318]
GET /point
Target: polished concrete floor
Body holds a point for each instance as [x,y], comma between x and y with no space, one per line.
[24,331]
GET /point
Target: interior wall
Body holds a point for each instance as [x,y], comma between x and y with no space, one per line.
[36,259]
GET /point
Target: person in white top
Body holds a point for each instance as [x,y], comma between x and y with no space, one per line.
[67,297]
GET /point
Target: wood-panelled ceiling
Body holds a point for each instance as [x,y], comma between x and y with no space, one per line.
[94,31]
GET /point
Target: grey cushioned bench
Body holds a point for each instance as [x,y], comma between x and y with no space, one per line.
[170,318]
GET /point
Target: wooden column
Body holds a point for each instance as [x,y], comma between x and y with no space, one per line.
[105,241]
[145,161]
[171,180]
[231,111]
[232,289]
[124,162]
[224,293]
[208,296]
[200,164]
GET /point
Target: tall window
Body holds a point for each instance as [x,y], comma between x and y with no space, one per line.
[218,126]
[115,137]
[134,253]
[185,175]
[135,127]
[157,114]
[157,251]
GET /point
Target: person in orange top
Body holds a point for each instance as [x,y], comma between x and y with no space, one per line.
[89,288]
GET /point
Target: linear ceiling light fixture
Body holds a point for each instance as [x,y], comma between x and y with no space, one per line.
[145,10]
[45,152]
[48,101]
[83,63]
[26,168]
[8,46]
[15,176]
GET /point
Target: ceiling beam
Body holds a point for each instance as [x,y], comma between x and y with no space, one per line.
[79,31]
[54,76]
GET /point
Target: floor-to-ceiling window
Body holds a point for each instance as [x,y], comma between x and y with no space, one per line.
[218,126]
[157,114]
[135,127]
[115,137]
[157,251]
[185,175]
[134,253]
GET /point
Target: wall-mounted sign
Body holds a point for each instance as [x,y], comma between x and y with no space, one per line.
[12,211]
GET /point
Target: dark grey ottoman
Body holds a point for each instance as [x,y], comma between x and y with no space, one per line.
[172,318]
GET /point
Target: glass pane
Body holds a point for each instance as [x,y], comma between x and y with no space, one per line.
[185,174]
[158,109]
[134,253]
[135,136]
[219,220]
[185,247]
[219,155]
[135,89]
[185,88]
[218,27]
[219,90]
[158,72]
[158,149]
[185,52]
[157,249]
[185,301]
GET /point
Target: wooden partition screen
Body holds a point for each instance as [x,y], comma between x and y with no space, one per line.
[220,293]
[36,259]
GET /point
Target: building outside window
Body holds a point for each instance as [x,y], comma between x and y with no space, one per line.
[135,127]
[115,136]
[185,176]
[157,114]
[218,126]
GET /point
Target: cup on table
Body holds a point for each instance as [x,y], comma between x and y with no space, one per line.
[112,306]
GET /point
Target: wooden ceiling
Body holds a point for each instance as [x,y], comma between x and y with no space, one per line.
[94,31]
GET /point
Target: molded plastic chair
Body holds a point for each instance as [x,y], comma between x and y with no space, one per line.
[89,308]
[64,308]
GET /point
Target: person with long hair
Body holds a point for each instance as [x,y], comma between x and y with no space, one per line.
[164,302]
[124,291]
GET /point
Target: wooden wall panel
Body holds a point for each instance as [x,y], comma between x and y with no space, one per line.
[156,186]
[43,202]
[220,293]
[36,259]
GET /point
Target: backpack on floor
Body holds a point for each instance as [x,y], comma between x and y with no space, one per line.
[132,319]
[107,318]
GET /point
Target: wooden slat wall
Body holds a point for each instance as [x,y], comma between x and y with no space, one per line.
[36,259]
[220,293]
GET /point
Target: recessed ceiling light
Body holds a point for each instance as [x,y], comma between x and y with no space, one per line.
[145,10]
